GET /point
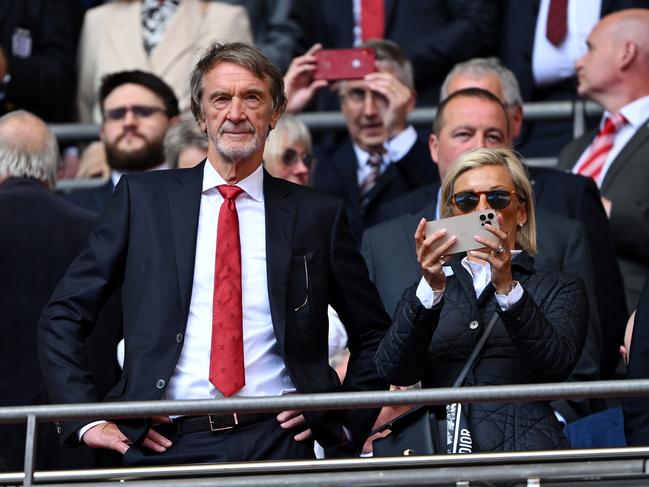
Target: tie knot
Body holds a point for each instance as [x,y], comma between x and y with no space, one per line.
[613,123]
[375,160]
[229,192]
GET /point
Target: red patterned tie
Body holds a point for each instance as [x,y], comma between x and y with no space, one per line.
[226,356]
[601,146]
[557,27]
[372,19]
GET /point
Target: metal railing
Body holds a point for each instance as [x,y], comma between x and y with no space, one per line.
[510,393]
[317,121]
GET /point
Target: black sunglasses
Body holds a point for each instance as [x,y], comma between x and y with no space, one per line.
[498,199]
[291,156]
[139,111]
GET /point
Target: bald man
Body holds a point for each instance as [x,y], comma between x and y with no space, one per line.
[40,234]
[614,72]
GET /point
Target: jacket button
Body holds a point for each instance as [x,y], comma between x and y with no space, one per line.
[179,337]
[474,324]
[160,384]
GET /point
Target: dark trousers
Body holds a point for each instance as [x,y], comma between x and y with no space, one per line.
[263,440]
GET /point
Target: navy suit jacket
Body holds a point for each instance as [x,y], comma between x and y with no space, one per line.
[146,242]
[336,173]
[93,199]
[636,409]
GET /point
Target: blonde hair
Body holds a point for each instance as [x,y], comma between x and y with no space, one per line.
[510,160]
[288,131]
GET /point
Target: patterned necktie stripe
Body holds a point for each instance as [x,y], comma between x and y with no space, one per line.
[227,370]
[593,165]
[375,162]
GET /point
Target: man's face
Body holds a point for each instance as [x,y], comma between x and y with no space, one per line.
[135,123]
[363,110]
[469,123]
[492,84]
[595,69]
[237,115]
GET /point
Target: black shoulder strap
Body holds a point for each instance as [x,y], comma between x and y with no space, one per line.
[470,362]
[458,382]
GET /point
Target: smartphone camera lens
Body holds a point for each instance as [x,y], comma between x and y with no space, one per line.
[483,218]
[490,215]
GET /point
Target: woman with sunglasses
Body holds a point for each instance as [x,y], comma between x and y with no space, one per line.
[288,153]
[540,317]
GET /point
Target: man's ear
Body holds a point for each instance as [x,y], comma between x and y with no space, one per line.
[274,118]
[433,147]
[628,53]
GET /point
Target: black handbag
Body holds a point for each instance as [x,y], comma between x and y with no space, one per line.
[420,431]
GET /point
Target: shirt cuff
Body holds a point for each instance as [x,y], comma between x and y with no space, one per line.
[428,296]
[83,429]
[506,301]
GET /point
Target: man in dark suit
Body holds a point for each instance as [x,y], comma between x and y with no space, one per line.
[435,34]
[37,58]
[382,157]
[636,409]
[466,120]
[40,234]
[187,304]
[556,191]
[615,73]
[137,110]
[542,58]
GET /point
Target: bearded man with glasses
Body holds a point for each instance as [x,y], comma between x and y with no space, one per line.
[137,110]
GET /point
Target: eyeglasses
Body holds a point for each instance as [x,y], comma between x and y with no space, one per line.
[498,199]
[138,111]
[356,96]
[291,156]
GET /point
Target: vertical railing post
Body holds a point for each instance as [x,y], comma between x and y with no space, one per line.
[579,118]
[30,449]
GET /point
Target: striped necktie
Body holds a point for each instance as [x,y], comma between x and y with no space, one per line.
[601,146]
[374,161]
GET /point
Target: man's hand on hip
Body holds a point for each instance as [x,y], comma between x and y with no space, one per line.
[107,435]
[295,419]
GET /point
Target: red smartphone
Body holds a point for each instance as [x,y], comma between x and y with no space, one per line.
[337,64]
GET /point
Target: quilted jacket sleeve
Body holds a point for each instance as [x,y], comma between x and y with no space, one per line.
[403,353]
[550,330]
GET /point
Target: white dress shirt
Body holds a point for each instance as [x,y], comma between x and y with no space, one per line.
[636,113]
[550,63]
[265,371]
[396,149]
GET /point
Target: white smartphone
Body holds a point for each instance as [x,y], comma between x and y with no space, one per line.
[465,228]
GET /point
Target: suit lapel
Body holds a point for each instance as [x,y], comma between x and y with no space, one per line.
[346,164]
[639,139]
[186,22]
[184,205]
[280,220]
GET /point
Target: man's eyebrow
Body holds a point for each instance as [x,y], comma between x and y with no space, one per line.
[464,127]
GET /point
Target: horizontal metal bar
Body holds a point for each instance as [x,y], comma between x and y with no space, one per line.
[628,459]
[316,121]
[339,400]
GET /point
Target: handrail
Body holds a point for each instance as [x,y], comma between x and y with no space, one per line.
[340,400]
[317,121]
[336,400]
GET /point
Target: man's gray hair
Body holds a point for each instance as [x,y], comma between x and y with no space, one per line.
[478,67]
[25,152]
[184,134]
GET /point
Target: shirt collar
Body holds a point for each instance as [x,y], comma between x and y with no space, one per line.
[252,185]
[635,112]
[395,148]
[115,175]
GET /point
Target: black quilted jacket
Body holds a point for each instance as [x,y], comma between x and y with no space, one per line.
[539,339]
